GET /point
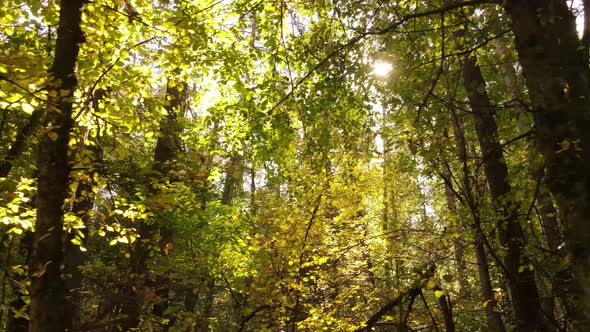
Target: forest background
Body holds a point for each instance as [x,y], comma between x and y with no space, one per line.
[253,165]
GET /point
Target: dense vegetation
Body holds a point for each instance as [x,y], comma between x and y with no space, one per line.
[246,165]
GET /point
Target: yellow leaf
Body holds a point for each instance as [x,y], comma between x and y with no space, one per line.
[53,135]
[431,283]
[27,108]
[439,294]
[15,230]
[565,145]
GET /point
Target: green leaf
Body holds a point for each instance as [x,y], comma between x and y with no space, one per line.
[439,294]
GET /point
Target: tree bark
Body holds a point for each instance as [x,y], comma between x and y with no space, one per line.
[233,180]
[82,206]
[493,317]
[521,279]
[47,311]
[547,211]
[586,33]
[557,80]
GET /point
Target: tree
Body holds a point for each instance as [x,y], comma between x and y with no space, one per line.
[47,285]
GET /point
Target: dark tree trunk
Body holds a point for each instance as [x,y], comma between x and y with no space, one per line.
[19,323]
[48,294]
[444,302]
[521,281]
[14,323]
[557,80]
[493,317]
[207,310]
[548,213]
[82,206]
[584,49]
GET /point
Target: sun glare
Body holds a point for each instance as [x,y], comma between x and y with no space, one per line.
[381,68]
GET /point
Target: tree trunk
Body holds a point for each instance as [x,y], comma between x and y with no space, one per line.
[203,321]
[47,311]
[557,80]
[586,34]
[82,207]
[166,150]
[494,319]
[521,278]
[233,180]
[548,213]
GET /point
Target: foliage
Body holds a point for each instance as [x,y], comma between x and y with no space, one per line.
[302,191]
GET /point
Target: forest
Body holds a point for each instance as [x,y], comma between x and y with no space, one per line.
[294,165]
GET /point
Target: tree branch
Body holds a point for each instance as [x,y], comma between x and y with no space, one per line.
[362,35]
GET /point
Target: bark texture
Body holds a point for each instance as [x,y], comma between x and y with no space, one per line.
[521,279]
[47,311]
[557,76]
[493,317]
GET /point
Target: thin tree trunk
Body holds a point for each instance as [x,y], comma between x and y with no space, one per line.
[82,207]
[17,323]
[557,80]
[48,293]
[586,33]
[494,319]
[204,321]
[444,301]
[233,180]
[75,257]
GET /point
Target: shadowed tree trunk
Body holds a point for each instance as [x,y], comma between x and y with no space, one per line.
[20,142]
[493,317]
[557,77]
[89,156]
[548,213]
[521,278]
[47,311]
[166,151]
[18,323]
